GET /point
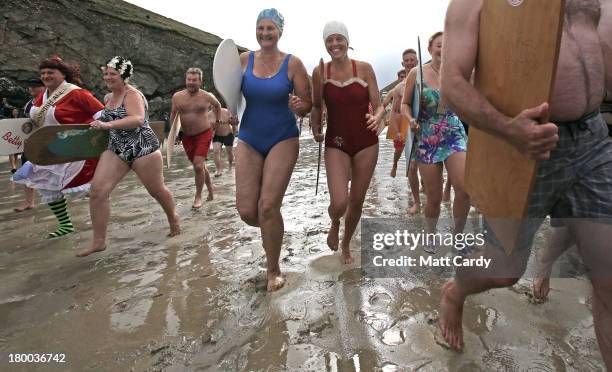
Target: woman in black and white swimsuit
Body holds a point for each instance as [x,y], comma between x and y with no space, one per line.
[132,145]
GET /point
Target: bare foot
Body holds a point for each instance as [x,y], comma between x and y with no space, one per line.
[23,208]
[275,281]
[175,226]
[332,236]
[218,174]
[210,196]
[541,288]
[416,208]
[393,171]
[91,250]
[197,203]
[451,313]
[347,258]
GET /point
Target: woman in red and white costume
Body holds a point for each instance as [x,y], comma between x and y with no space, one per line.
[62,102]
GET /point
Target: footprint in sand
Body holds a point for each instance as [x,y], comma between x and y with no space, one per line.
[393,337]
[380,300]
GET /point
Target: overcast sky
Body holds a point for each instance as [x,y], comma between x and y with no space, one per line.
[379,30]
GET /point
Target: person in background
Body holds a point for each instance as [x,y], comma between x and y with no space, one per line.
[35,87]
[13,157]
[224,136]
[193,105]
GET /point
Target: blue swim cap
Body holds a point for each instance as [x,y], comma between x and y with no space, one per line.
[273,15]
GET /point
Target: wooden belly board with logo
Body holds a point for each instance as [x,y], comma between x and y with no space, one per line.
[13,134]
[56,144]
[518,49]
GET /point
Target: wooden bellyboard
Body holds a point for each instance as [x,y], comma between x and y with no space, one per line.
[13,134]
[408,146]
[403,127]
[174,130]
[158,127]
[390,131]
[518,49]
[417,91]
[56,144]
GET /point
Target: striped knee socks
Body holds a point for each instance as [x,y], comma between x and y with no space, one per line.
[61,212]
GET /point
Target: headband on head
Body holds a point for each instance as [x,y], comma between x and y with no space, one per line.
[122,65]
[335,27]
[273,15]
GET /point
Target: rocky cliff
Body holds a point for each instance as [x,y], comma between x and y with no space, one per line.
[89,32]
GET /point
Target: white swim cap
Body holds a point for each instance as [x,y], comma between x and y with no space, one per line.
[335,27]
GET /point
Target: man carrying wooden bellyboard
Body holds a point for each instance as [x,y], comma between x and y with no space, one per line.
[193,105]
[568,136]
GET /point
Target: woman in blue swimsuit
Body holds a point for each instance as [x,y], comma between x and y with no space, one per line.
[276,88]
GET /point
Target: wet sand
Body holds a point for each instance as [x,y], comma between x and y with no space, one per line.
[198,301]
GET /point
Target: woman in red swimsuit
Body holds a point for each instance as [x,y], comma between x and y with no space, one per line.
[347,88]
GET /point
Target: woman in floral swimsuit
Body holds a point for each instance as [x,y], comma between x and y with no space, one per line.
[441,141]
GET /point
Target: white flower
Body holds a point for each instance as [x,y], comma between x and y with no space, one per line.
[113,62]
[121,65]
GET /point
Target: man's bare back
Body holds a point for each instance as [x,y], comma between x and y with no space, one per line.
[193,109]
[224,127]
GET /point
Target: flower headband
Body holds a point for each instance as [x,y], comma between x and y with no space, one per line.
[122,65]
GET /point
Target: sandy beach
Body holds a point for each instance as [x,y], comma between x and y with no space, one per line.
[198,301]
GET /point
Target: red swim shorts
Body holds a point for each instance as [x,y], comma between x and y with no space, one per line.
[197,145]
[398,145]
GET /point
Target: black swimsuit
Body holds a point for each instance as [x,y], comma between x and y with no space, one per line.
[130,144]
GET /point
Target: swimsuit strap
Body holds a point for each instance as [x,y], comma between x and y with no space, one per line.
[285,64]
[249,68]
[329,69]
[144,99]
[123,98]
[251,64]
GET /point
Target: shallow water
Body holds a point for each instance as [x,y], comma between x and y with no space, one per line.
[198,301]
